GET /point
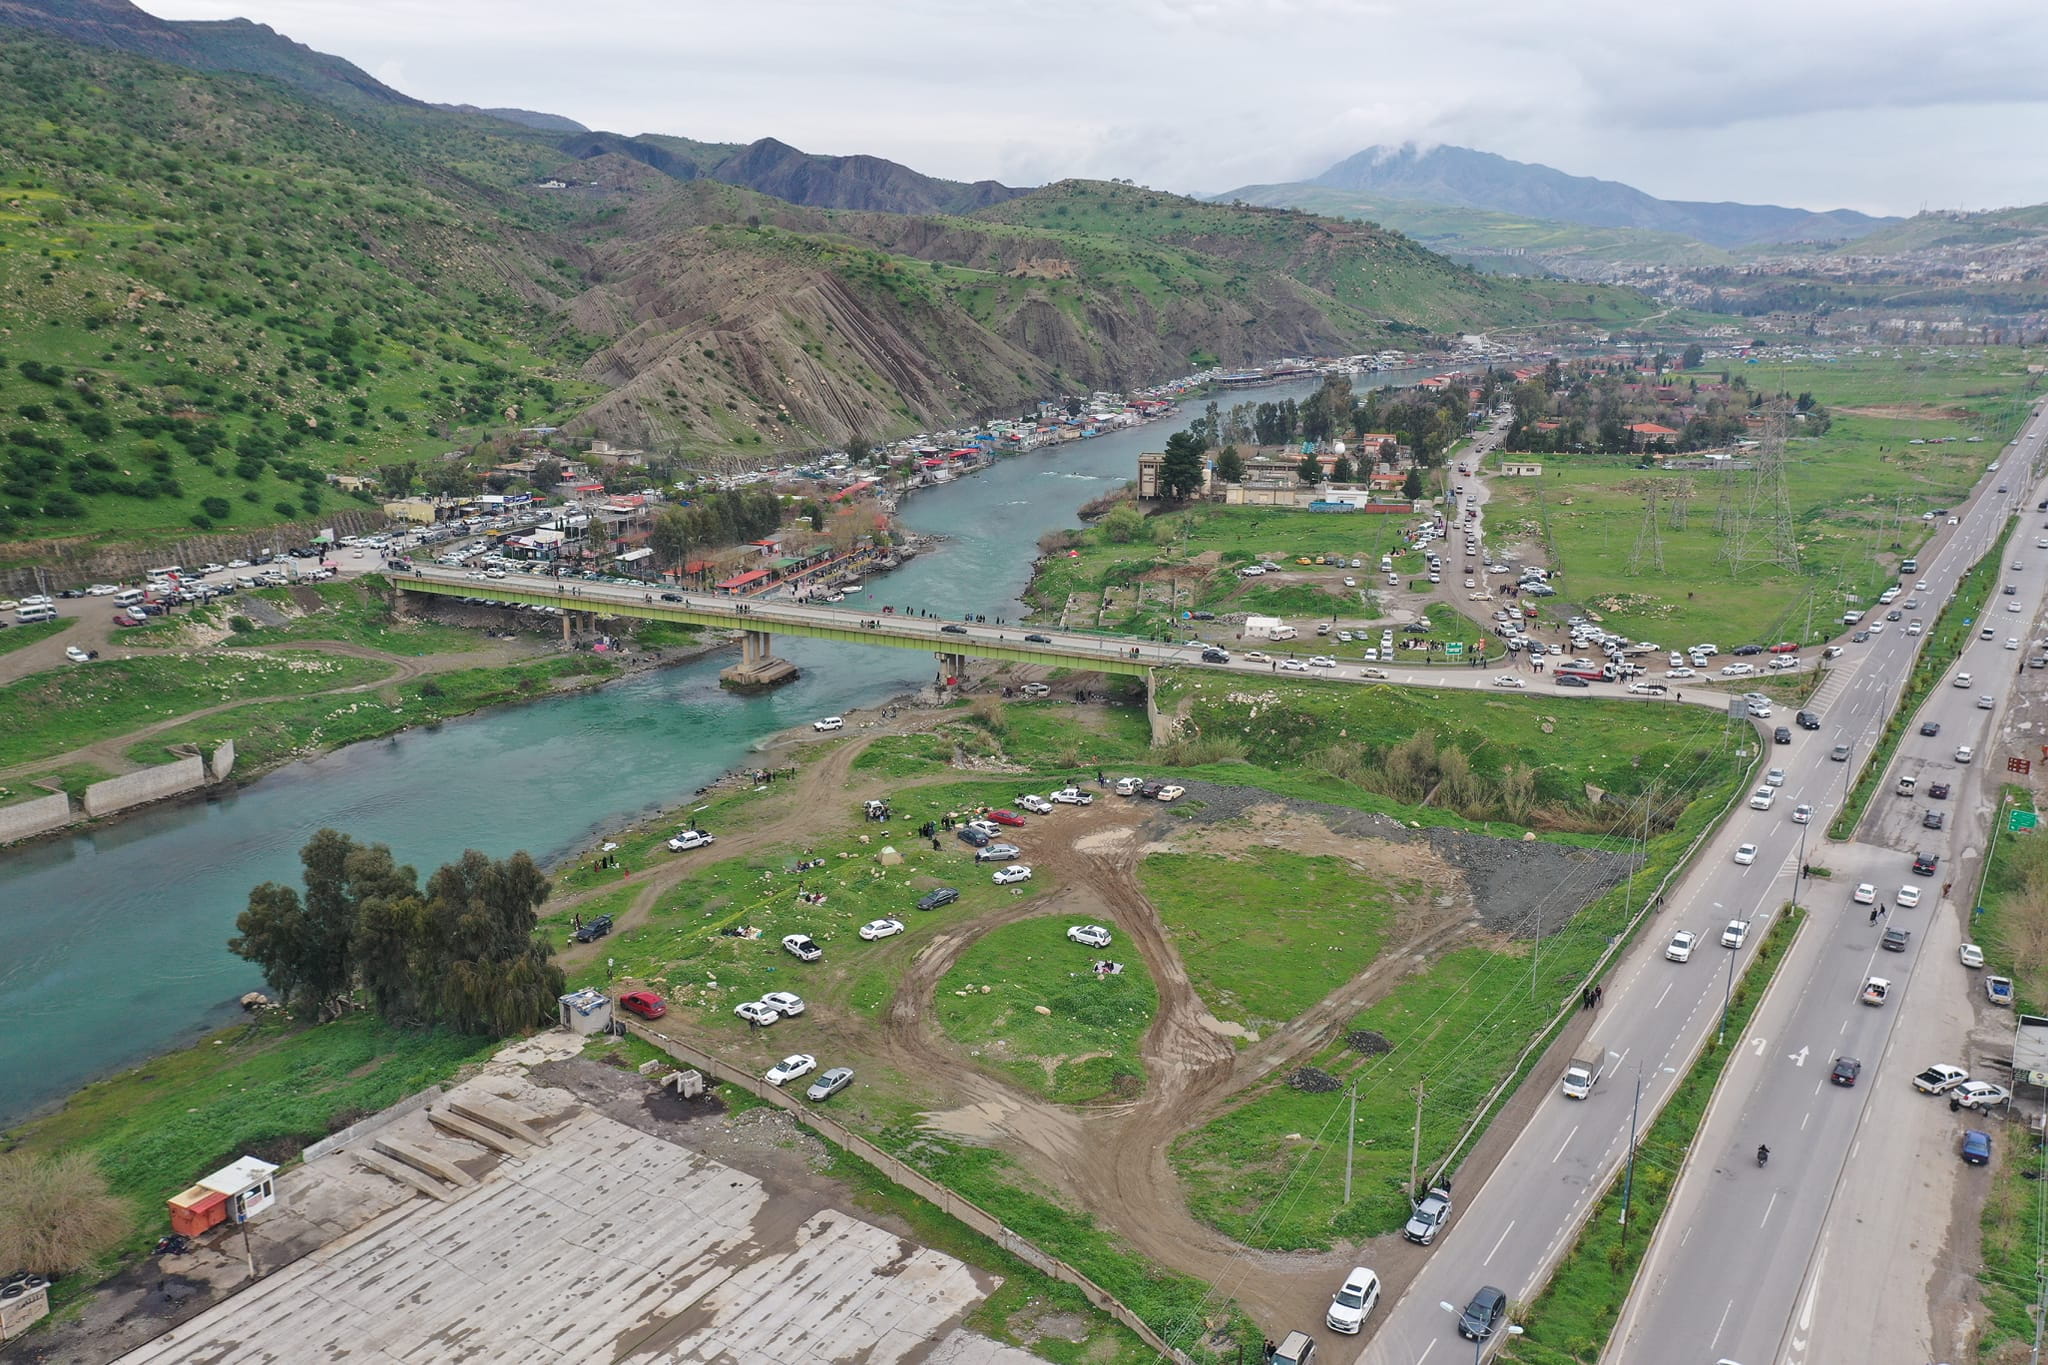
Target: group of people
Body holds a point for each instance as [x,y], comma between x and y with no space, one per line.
[1590,998]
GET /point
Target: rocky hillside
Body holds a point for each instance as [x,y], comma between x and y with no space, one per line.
[220,292]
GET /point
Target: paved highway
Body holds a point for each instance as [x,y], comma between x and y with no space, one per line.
[1777,1264]
[1510,1232]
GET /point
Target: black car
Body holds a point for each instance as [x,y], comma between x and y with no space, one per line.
[1201,615]
[671,597]
[1215,656]
[591,930]
[1782,735]
[1150,791]
[1566,680]
[1930,727]
[1894,940]
[1924,864]
[1847,1069]
[1939,791]
[1859,637]
[1483,1314]
[932,900]
[954,630]
[1931,820]
[971,836]
[1808,720]
[1039,639]
[2009,590]
[1894,615]
[1745,650]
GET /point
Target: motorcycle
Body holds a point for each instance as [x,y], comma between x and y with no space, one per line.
[1763,1156]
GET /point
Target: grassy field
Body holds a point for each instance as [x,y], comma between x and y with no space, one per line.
[1085,1046]
[1857,495]
[1570,1321]
[1269,1172]
[1954,631]
[267,1087]
[2013,931]
[267,733]
[80,705]
[1324,739]
[1268,933]
[18,636]
[73,778]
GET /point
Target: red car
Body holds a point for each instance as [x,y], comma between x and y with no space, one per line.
[646,1004]
[1785,647]
[1006,817]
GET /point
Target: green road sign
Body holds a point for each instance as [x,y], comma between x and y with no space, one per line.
[2021,820]
[1453,648]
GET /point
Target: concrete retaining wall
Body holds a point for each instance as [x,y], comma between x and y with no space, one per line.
[919,1184]
[151,784]
[35,817]
[362,1128]
[223,761]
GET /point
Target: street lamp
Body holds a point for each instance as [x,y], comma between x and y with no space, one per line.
[1479,1343]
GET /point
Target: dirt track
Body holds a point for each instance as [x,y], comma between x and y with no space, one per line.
[1111,1159]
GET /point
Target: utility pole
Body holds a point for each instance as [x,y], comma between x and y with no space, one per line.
[1628,1183]
[1350,1141]
[1415,1153]
[1727,995]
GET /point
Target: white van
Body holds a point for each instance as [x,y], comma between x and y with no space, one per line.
[30,615]
[127,597]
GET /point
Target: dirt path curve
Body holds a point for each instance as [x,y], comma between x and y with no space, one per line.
[111,753]
[813,809]
[1112,1159]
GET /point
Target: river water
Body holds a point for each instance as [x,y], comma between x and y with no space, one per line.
[115,941]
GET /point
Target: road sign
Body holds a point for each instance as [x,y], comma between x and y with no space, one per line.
[2019,765]
[2022,820]
[1453,648]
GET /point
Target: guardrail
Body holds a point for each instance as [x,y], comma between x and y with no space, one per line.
[918,1183]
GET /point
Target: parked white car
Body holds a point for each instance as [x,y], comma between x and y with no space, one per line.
[1089,935]
[689,839]
[801,946]
[1073,796]
[1037,805]
[790,1067]
[1015,872]
[757,1012]
[829,723]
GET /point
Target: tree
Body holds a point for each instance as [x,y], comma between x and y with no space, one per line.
[1691,356]
[858,449]
[1230,465]
[1342,471]
[480,963]
[396,477]
[56,1213]
[1181,472]
[547,473]
[1310,470]
[306,946]
[1124,524]
[671,535]
[448,478]
[1411,487]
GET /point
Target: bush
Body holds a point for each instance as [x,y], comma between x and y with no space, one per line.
[241,625]
[56,1213]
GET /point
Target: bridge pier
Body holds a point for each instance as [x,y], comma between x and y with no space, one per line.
[758,667]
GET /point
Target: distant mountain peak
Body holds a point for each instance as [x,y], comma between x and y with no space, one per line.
[1464,177]
[529,118]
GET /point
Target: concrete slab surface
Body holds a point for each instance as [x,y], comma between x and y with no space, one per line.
[608,1245]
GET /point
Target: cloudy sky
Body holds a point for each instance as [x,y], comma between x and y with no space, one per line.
[1879,105]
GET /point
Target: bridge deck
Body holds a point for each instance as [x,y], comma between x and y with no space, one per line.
[1061,649]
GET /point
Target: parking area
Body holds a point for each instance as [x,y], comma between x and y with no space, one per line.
[601,1241]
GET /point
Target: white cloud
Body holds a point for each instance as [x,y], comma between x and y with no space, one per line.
[1879,104]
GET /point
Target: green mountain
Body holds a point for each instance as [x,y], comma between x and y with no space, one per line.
[220,291]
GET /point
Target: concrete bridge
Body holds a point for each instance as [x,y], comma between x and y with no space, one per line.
[951,641]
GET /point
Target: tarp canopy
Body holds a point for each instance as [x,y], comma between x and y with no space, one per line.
[745,579]
[634,556]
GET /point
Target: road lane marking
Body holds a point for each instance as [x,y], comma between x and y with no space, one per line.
[1720,1326]
[1503,1237]
[1767,1209]
[1804,1119]
[1425,1353]
[1661,998]
[1567,1142]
